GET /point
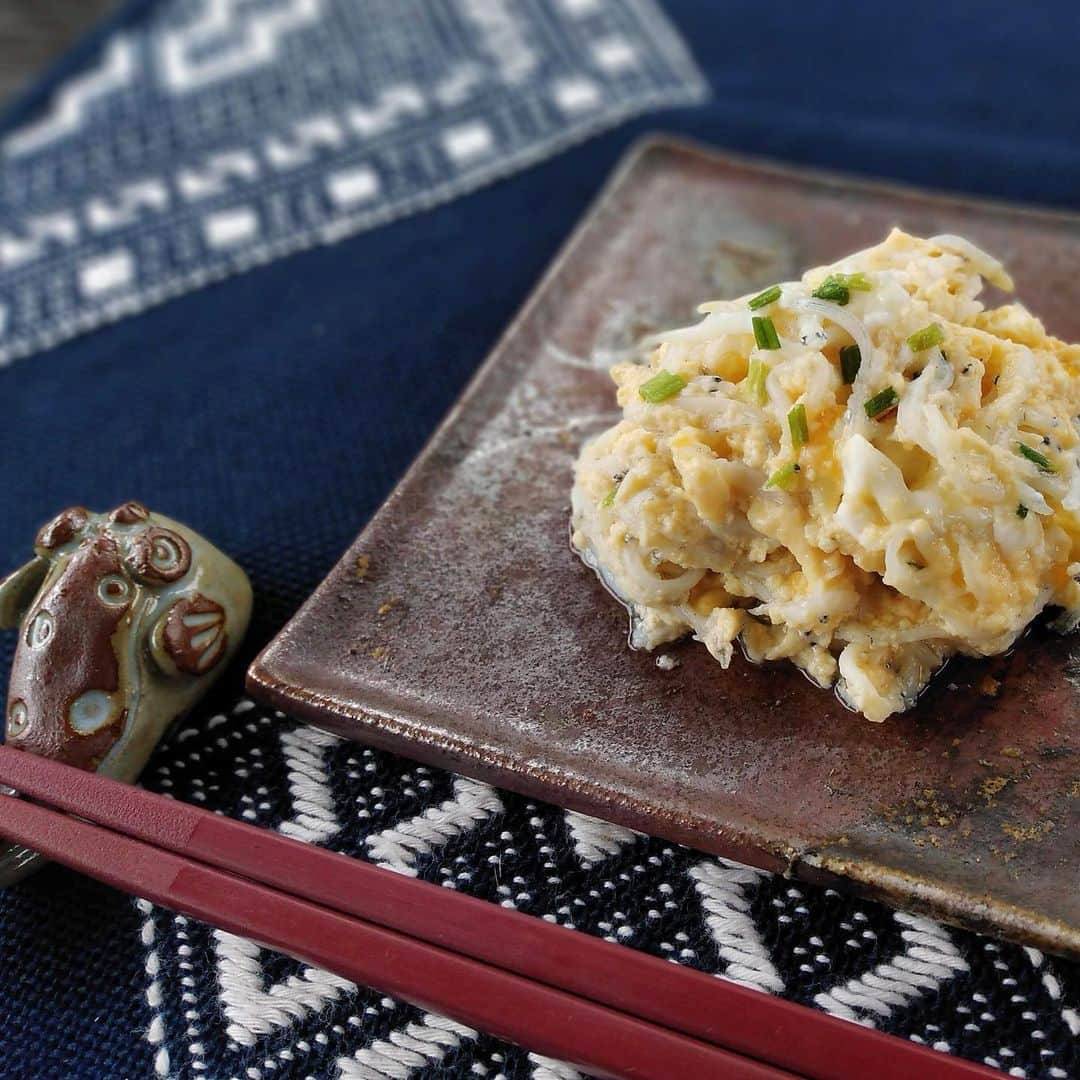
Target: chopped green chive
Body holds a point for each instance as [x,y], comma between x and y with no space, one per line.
[661,386]
[1036,458]
[800,430]
[783,477]
[755,380]
[1021,511]
[832,288]
[856,281]
[764,299]
[926,338]
[765,333]
[838,287]
[850,362]
[609,498]
[881,402]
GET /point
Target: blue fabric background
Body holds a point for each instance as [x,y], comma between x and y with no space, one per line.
[275,411]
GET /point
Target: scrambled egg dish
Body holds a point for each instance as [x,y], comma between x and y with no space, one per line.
[863,472]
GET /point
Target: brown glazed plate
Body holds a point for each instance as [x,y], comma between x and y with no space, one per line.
[460,630]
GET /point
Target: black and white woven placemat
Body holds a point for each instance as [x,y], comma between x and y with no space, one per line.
[220,1006]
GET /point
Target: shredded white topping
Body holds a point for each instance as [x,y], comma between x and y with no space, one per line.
[909,527]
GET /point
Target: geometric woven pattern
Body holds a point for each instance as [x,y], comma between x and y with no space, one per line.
[212,136]
[222,1006]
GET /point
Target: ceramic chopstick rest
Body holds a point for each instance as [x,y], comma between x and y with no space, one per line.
[125,619]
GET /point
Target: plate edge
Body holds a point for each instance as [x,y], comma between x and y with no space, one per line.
[814,865]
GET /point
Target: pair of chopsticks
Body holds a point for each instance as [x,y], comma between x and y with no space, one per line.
[608,1009]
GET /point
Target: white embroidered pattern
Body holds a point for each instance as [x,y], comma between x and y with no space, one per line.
[315,819]
[1053,988]
[398,847]
[106,273]
[304,141]
[252,1010]
[212,98]
[230,40]
[36,236]
[155,1033]
[115,210]
[116,70]
[229,228]
[348,187]
[929,960]
[724,890]
[468,141]
[394,105]
[405,1050]
[215,175]
[545,1068]
[596,840]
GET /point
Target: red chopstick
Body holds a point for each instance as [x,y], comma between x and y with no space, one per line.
[627,981]
[601,1040]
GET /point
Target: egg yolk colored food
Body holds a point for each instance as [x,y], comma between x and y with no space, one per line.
[863,472]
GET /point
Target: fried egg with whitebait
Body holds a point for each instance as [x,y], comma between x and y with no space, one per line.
[864,472]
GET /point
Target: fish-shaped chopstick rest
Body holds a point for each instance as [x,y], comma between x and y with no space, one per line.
[125,619]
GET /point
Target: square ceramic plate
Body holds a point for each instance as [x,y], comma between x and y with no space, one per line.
[476,641]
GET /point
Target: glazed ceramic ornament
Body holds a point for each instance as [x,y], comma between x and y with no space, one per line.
[125,620]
